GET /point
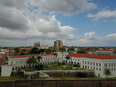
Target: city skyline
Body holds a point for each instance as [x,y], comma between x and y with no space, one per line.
[75,22]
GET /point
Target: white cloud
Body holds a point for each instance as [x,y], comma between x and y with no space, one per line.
[91,6]
[103,14]
[90,36]
[112,35]
[66,7]
[90,39]
[17,23]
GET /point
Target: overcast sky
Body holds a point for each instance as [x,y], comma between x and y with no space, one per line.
[75,22]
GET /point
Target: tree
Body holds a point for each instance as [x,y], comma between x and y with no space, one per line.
[47,50]
[39,67]
[107,72]
[71,50]
[23,52]
[67,57]
[38,58]
[40,51]
[32,60]
[33,51]
[17,50]
[62,49]
[55,54]
[82,51]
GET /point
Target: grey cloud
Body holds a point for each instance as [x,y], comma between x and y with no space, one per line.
[66,7]
[12,18]
[19,4]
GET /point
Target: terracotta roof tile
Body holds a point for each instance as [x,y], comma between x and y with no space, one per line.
[92,56]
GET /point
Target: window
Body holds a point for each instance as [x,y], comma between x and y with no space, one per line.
[11,63]
[83,62]
[90,63]
[112,64]
[96,68]
[96,64]
[99,64]
[99,69]
[109,64]
[83,66]
[105,64]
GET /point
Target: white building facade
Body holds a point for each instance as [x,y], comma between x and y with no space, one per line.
[21,62]
[106,52]
[98,63]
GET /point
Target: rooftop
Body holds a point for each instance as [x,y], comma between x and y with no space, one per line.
[92,56]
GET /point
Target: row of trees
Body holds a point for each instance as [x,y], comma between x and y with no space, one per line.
[39,51]
[33,51]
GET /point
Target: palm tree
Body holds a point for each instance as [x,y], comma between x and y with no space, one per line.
[107,72]
[32,61]
[62,49]
[38,58]
[55,54]
[71,50]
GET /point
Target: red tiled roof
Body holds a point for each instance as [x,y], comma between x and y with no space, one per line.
[12,54]
[92,56]
[105,50]
[2,59]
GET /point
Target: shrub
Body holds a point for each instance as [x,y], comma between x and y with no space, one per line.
[76,65]
[39,67]
[81,74]
[59,64]
[63,63]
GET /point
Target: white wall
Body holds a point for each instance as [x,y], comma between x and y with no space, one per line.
[6,70]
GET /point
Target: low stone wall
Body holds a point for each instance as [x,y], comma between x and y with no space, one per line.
[26,75]
[59,83]
[53,73]
[69,73]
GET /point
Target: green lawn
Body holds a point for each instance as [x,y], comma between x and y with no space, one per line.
[56,66]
